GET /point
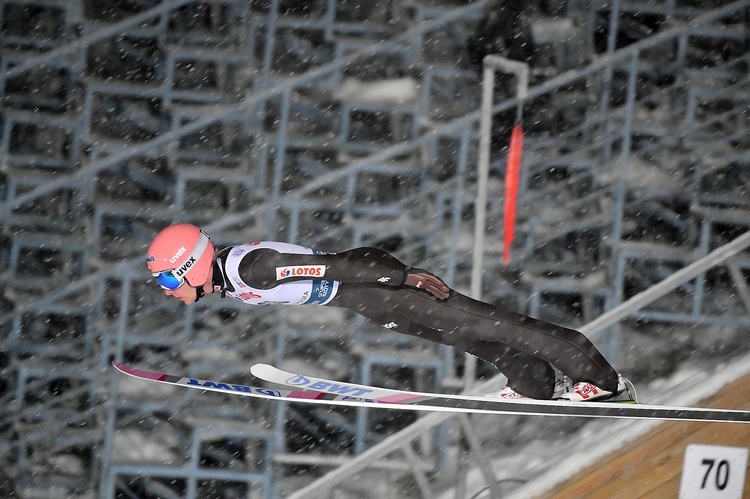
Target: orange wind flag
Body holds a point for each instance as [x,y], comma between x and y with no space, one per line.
[512,174]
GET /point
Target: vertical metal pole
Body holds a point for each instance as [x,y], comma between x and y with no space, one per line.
[521,70]
[457,205]
[607,77]
[671,5]
[480,204]
[612,337]
[624,160]
[192,485]
[279,160]
[265,73]
[456,209]
[613,26]
[111,402]
[360,438]
[589,16]
[330,19]
[263,81]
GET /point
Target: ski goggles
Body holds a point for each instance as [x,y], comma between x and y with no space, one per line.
[174,278]
[168,280]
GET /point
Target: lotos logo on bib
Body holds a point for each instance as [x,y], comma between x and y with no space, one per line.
[300,271]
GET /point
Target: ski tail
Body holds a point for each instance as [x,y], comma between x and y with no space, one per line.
[630,389]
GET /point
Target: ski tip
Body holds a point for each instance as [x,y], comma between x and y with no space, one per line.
[258,369]
[138,373]
[125,369]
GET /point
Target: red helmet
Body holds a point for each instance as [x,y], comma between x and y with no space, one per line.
[179,253]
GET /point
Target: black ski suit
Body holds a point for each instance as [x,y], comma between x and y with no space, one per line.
[371,282]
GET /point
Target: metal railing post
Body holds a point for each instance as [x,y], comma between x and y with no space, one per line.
[492,63]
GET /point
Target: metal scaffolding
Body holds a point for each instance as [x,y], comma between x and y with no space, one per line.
[335,125]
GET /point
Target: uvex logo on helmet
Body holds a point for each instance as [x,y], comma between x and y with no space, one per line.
[182,269]
[177,255]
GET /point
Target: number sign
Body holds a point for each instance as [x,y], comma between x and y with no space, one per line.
[712,471]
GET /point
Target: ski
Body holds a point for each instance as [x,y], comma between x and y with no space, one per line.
[303,396]
[473,404]
[319,391]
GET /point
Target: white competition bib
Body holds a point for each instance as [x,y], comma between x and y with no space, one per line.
[315,291]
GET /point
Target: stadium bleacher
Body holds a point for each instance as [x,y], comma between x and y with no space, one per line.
[334,125]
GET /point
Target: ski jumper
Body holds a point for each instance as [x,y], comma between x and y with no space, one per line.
[370,282]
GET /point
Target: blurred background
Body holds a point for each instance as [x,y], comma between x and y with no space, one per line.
[337,124]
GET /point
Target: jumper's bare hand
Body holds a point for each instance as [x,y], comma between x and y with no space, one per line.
[421,279]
